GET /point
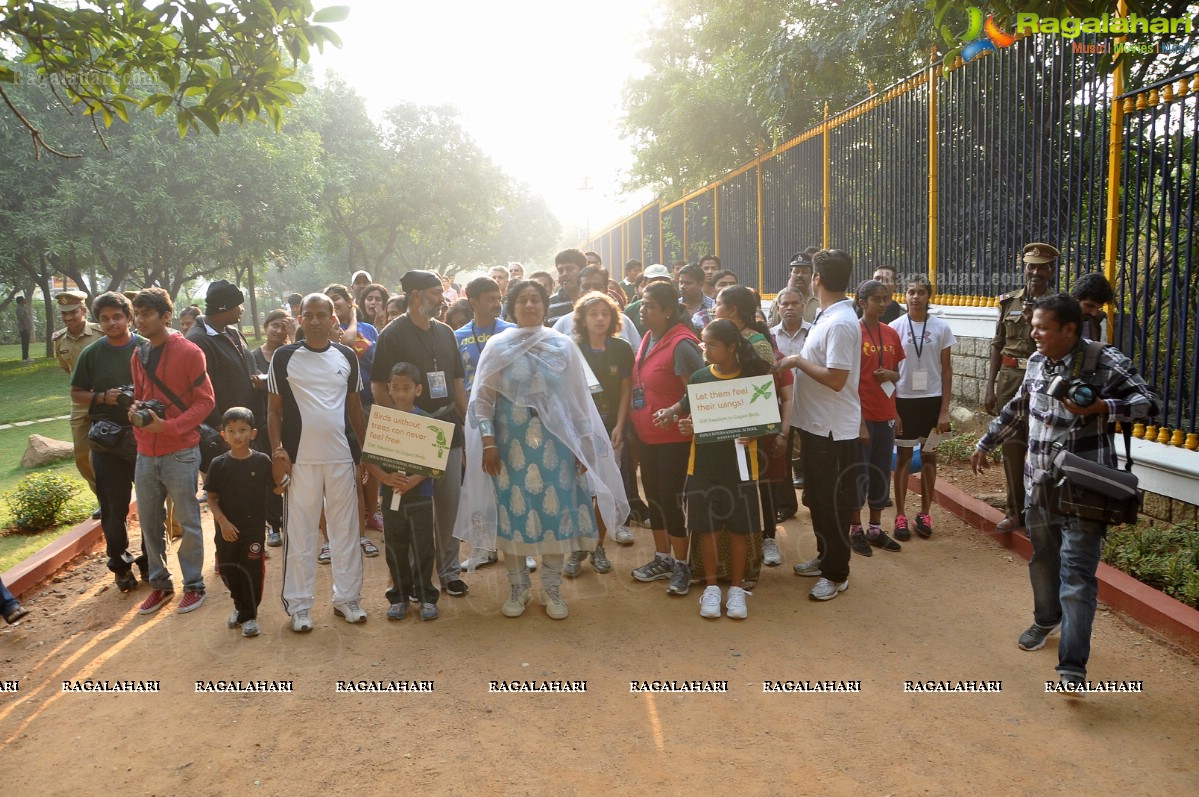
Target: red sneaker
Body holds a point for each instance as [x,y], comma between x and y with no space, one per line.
[156,600]
[192,600]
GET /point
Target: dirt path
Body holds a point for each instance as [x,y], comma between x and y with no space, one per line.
[949,608]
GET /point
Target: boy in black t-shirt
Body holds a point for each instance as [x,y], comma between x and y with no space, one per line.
[238,485]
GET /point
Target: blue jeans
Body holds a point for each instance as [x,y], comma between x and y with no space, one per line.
[1065,556]
[172,475]
[8,603]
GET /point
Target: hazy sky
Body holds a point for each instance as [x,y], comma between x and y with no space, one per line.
[538,84]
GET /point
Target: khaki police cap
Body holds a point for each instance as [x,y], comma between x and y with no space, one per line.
[1040,253]
[68,300]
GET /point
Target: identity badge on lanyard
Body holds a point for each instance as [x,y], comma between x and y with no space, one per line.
[919,376]
[437,385]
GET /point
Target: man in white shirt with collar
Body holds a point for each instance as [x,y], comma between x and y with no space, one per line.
[829,416]
[789,336]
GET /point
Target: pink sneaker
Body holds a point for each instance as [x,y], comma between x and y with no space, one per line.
[375,521]
[156,600]
[901,528]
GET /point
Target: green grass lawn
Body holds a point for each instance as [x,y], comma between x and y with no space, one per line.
[30,392]
[16,547]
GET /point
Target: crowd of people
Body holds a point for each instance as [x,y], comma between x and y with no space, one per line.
[568,397]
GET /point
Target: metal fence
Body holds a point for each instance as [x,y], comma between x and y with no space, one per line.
[951,171]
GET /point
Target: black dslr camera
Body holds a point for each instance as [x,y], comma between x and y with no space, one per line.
[141,414]
[1064,387]
[125,398]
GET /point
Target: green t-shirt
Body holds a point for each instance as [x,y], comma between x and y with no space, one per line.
[102,366]
[717,462]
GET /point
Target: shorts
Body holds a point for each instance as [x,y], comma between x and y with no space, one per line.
[918,416]
[710,506]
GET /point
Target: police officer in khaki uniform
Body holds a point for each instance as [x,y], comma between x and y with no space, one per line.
[1010,350]
[76,335]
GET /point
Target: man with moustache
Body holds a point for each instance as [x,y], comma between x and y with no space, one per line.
[75,336]
[1011,347]
[417,337]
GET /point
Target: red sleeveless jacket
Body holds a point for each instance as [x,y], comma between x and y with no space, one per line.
[654,373]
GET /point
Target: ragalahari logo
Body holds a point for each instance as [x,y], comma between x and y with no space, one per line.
[983,37]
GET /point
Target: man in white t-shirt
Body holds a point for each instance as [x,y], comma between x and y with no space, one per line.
[828,413]
[314,418]
[922,400]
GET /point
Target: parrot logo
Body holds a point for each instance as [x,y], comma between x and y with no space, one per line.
[440,442]
[983,37]
[762,391]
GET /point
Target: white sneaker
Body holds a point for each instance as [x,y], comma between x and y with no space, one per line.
[826,590]
[232,622]
[301,621]
[623,535]
[351,611]
[770,553]
[478,558]
[709,602]
[574,563]
[250,628]
[555,607]
[810,568]
[517,599]
[531,563]
[735,605]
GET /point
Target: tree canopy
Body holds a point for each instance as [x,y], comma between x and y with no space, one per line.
[333,190]
[725,77]
[206,62]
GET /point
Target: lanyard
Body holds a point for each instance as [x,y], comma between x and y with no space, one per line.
[878,344]
[918,347]
[422,335]
[475,333]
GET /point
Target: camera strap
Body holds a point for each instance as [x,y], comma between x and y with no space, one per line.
[1084,368]
[143,353]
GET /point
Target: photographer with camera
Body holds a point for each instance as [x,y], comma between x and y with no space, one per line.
[101,387]
[1071,396]
[174,396]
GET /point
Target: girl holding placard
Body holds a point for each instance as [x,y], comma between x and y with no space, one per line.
[718,498]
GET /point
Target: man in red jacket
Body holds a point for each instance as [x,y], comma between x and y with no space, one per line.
[169,369]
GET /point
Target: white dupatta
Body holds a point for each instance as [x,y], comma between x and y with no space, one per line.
[514,365]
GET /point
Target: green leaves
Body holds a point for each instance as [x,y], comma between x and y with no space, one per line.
[331,14]
[215,62]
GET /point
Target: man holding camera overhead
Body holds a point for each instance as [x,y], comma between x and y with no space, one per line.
[174,396]
[1068,405]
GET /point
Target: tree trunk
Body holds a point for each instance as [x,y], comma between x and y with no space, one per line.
[253,295]
[43,280]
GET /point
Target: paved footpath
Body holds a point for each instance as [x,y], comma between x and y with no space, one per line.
[15,424]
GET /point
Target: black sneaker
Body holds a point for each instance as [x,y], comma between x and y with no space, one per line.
[902,533]
[457,588]
[879,539]
[857,541]
[1035,637]
[126,582]
[680,579]
[1073,686]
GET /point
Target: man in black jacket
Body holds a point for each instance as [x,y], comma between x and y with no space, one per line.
[235,379]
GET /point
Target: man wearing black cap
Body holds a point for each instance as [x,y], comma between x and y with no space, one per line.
[799,278]
[231,368]
[1011,347]
[417,337]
